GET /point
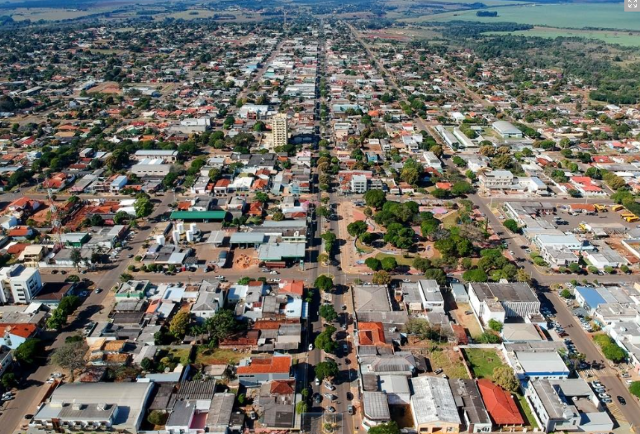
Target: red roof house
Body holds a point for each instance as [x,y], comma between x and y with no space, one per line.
[501,406]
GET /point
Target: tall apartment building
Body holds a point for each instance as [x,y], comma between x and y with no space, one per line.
[19,284]
[279,130]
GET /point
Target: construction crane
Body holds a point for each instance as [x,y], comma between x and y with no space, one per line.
[56,222]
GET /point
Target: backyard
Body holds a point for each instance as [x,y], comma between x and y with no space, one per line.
[207,356]
[449,361]
[482,362]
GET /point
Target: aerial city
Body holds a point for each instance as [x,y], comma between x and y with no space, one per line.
[306,217]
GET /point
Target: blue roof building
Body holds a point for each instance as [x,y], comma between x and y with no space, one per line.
[589,298]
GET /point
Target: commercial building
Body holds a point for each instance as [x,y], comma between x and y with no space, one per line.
[433,406]
[503,301]
[567,405]
[507,130]
[118,407]
[152,167]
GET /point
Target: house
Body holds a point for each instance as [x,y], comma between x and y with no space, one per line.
[586,186]
[276,402]
[210,300]
[375,409]
[255,371]
[470,405]
[500,404]
[433,406]
[21,233]
[13,335]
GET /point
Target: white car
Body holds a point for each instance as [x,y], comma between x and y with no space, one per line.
[310,347]
[273,272]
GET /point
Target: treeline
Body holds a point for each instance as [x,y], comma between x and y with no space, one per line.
[487,13]
[615,84]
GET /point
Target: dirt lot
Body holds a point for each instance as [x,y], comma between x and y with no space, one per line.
[469,322]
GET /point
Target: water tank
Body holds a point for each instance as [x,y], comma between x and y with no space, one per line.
[189,236]
[180,228]
[193,228]
[160,239]
[176,237]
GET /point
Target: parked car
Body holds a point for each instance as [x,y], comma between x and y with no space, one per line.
[317,398]
[621,400]
[350,409]
[331,409]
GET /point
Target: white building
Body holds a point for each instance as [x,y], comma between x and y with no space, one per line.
[358,184]
[496,179]
[507,130]
[502,301]
[19,284]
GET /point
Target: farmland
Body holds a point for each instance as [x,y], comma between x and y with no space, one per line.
[626,39]
[573,16]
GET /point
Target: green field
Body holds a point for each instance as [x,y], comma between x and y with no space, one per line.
[625,39]
[482,362]
[573,16]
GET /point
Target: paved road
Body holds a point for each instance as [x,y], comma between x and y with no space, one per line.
[614,385]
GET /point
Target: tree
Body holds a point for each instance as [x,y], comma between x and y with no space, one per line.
[262,197]
[495,325]
[278,216]
[634,388]
[125,277]
[461,188]
[27,351]
[323,283]
[328,369]
[381,278]
[421,264]
[356,228]
[57,320]
[157,418]
[504,377]
[325,340]
[76,257]
[523,276]
[146,364]
[373,263]
[565,293]
[9,380]
[121,217]
[385,428]
[366,238]
[389,263]
[143,207]
[301,407]
[375,198]
[179,324]
[70,356]
[323,211]
[69,304]
[328,312]
[439,193]
[221,324]
[475,275]
[410,175]
[512,225]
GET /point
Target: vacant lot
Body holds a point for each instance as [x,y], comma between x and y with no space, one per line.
[449,361]
[469,322]
[206,356]
[483,361]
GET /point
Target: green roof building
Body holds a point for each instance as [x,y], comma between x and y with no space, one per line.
[203,216]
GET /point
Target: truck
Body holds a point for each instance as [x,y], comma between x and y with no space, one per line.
[222,259]
[631,218]
[616,207]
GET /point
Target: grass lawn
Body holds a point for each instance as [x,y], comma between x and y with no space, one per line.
[449,362]
[400,259]
[526,410]
[482,362]
[450,220]
[206,356]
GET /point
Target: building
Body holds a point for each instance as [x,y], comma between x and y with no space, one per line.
[496,180]
[375,409]
[358,184]
[567,405]
[152,167]
[423,295]
[13,335]
[253,372]
[433,406]
[19,284]
[500,404]
[507,130]
[470,405]
[116,407]
[167,155]
[503,301]
[279,130]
